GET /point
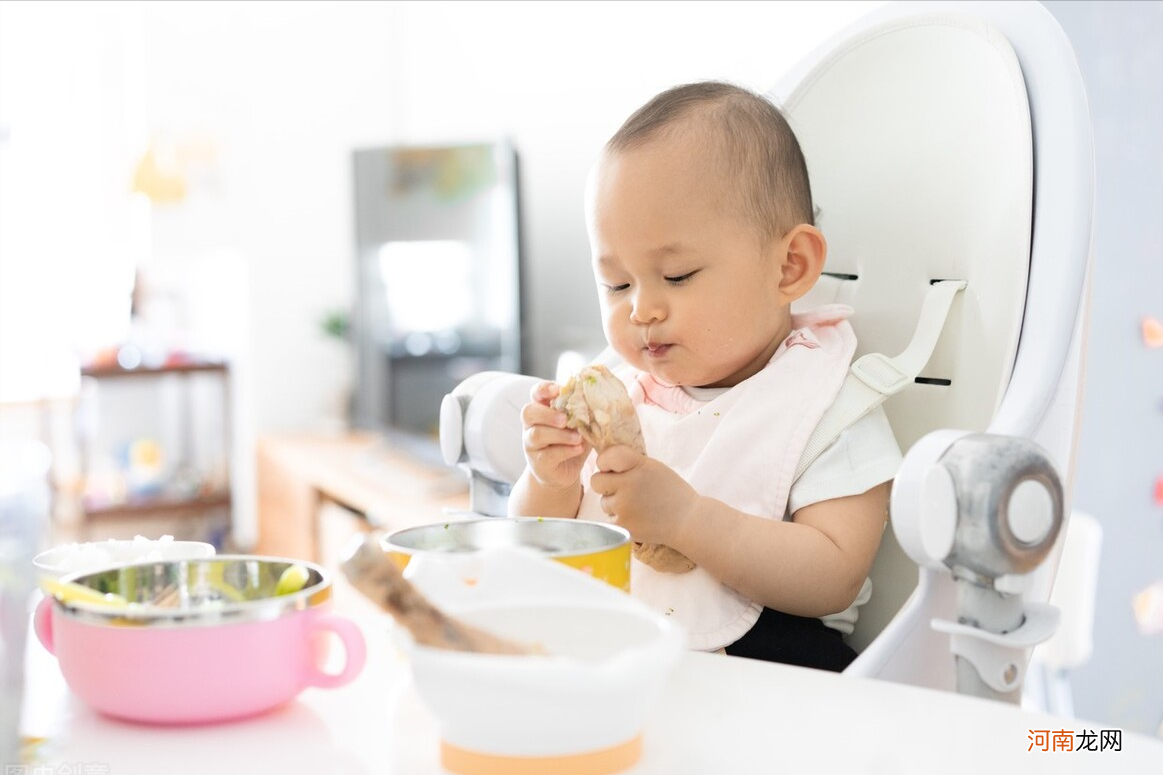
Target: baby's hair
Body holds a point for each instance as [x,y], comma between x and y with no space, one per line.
[754,142]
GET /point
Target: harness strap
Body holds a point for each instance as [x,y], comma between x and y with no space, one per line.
[874,377]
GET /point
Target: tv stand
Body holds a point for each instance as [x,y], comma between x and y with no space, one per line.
[384,487]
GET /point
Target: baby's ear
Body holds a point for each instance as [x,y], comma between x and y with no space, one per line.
[803,261]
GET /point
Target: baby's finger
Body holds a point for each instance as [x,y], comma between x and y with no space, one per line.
[539,437]
[544,392]
[601,483]
[619,459]
[534,414]
[554,455]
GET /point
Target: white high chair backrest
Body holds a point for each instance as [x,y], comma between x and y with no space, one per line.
[916,126]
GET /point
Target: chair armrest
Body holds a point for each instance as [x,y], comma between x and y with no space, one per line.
[480,424]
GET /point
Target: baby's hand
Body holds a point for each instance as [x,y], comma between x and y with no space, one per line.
[642,494]
[555,454]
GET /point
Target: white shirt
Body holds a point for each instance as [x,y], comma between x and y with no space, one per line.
[864,455]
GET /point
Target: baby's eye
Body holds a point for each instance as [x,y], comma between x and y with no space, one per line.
[680,279]
[610,288]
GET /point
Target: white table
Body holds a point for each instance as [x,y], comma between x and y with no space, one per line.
[718,715]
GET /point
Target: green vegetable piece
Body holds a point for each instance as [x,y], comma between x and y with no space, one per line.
[293,579]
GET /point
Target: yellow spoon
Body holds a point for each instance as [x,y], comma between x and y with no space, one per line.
[70,592]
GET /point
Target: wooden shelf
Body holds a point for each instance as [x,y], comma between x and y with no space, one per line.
[162,504]
[181,367]
[171,503]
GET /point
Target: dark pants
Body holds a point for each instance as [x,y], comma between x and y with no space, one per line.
[794,640]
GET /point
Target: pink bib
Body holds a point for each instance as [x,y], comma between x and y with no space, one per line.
[742,448]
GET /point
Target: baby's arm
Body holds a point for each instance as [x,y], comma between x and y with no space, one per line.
[550,485]
[811,566]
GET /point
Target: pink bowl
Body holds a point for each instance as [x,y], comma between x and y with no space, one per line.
[205,659]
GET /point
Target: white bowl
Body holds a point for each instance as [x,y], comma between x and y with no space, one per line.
[583,705]
[98,555]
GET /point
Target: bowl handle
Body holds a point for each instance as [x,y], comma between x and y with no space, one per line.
[354,647]
[42,622]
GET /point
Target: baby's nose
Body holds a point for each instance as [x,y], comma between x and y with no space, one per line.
[648,308]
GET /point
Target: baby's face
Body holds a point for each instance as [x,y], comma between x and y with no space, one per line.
[687,291]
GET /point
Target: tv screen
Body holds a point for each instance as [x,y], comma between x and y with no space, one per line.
[438,281]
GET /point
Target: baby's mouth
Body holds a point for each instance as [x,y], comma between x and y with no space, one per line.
[656,349]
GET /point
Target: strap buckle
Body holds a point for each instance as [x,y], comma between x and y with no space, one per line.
[880,373]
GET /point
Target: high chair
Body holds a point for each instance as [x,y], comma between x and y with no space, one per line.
[949,151]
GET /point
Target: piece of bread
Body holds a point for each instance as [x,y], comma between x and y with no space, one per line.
[596,403]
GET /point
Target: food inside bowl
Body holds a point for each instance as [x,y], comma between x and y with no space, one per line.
[209,587]
[379,578]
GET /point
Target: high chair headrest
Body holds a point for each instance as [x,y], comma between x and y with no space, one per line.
[918,143]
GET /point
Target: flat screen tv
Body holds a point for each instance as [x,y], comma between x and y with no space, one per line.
[438,282]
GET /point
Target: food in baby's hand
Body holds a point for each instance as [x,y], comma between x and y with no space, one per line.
[377,576]
[597,404]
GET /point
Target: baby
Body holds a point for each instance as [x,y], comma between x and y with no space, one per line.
[700,220]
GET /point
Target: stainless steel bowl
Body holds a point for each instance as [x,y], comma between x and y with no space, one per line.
[597,548]
[199,641]
[213,590]
[552,537]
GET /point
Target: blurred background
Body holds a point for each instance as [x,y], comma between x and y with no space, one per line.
[191,258]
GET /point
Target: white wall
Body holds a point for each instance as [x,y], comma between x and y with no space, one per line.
[1120,454]
[285,91]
